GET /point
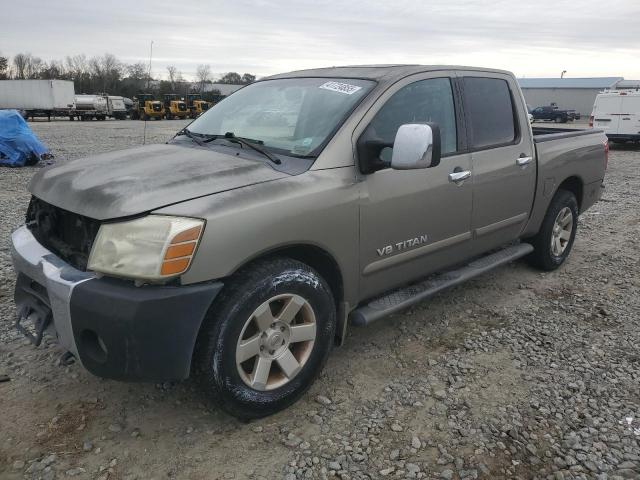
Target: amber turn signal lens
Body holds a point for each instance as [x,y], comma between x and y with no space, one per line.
[188,235]
[182,250]
[171,267]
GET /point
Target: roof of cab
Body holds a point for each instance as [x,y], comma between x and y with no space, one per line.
[377,72]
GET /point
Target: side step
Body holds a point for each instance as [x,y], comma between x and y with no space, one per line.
[405,297]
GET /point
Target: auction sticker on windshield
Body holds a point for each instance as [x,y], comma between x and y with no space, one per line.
[340,87]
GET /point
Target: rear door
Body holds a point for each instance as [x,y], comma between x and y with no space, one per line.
[606,112]
[630,118]
[504,167]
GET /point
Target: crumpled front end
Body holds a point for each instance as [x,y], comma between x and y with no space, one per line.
[114,328]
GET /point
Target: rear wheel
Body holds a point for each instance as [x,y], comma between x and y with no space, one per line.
[554,241]
[558,119]
[266,339]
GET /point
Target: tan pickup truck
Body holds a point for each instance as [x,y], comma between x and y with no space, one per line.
[240,251]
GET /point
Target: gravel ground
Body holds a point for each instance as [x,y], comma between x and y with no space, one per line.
[517,374]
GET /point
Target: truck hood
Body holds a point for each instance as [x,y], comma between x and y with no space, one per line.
[138,180]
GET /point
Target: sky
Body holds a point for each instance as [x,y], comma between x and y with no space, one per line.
[539,38]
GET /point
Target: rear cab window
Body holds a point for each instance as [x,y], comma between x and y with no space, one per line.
[491,116]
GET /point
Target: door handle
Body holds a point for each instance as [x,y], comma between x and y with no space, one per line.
[459,177]
[522,161]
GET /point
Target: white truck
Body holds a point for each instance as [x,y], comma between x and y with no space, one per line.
[617,112]
[38,98]
[116,107]
[100,106]
[88,107]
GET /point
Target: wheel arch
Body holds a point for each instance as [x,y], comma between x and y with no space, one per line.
[320,260]
[575,185]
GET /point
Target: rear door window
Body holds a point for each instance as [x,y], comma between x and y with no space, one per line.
[490,111]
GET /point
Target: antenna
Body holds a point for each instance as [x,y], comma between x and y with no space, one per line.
[144,132]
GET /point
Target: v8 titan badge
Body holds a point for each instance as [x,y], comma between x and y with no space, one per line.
[405,245]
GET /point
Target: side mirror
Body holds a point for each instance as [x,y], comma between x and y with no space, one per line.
[417,145]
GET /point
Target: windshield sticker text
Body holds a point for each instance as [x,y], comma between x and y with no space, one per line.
[340,87]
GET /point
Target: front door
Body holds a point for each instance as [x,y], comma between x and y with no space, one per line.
[417,221]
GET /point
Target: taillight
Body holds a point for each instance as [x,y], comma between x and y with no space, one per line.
[591,121]
[606,154]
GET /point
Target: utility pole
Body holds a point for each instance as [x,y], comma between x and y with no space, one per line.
[562,74]
[150,57]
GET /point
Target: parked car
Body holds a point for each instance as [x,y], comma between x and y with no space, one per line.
[574,115]
[618,113]
[239,253]
[552,113]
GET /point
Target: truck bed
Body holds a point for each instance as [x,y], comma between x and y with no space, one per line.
[546,134]
[563,153]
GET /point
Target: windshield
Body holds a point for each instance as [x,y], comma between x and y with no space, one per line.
[295,116]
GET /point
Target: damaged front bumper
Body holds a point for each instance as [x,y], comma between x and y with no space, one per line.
[115,329]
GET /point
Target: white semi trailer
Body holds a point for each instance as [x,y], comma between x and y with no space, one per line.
[38,98]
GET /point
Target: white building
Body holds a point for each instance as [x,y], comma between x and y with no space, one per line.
[225,89]
[567,93]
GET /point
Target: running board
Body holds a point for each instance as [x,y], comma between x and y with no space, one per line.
[405,297]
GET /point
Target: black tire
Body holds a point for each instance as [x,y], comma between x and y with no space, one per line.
[558,119]
[543,257]
[214,362]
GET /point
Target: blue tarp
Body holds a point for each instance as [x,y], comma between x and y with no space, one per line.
[18,144]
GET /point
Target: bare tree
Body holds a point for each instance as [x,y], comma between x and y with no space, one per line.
[174,75]
[203,75]
[53,69]
[137,71]
[21,63]
[248,78]
[232,78]
[34,67]
[137,76]
[107,71]
[4,67]
[77,66]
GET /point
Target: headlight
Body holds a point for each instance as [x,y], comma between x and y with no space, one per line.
[154,247]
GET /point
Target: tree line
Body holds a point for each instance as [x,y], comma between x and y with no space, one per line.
[106,73]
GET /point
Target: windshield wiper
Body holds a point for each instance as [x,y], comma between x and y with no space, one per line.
[230,136]
[188,133]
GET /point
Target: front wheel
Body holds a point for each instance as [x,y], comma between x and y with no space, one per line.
[266,338]
[553,242]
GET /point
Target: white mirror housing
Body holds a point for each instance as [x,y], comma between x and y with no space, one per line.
[417,145]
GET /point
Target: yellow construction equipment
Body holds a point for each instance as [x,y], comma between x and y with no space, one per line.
[175,107]
[146,107]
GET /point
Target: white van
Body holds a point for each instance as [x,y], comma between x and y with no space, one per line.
[617,112]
